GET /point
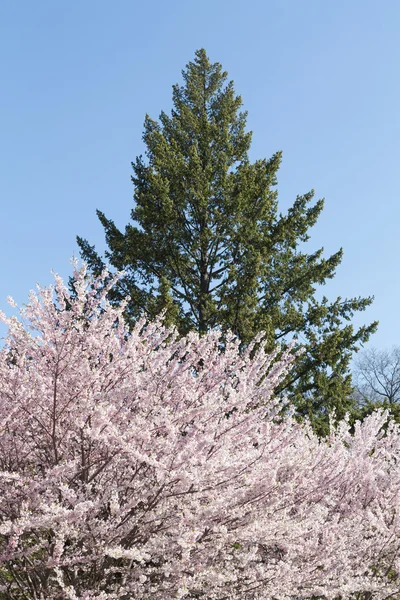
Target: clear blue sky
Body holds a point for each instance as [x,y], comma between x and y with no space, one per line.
[320,81]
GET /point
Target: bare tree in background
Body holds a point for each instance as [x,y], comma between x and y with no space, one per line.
[376,377]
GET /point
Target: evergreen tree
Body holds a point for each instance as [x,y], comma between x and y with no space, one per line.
[208,244]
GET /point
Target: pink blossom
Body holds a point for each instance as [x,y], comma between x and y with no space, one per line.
[129,471]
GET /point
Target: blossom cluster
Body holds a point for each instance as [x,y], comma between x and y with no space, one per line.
[142,465]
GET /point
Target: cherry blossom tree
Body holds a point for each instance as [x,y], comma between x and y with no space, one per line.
[140,465]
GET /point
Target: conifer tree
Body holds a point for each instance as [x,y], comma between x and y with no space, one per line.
[207,243]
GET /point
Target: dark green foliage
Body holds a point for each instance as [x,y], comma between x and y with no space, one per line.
[207,243]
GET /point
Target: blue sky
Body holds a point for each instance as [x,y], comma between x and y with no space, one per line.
[319,80]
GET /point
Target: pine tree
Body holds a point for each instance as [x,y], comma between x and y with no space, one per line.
[208,244]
